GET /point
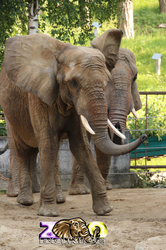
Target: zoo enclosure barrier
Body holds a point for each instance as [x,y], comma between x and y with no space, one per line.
[146,148]
[152,148]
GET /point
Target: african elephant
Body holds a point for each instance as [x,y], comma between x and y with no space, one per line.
[49,88]
[122,97]
[72,230]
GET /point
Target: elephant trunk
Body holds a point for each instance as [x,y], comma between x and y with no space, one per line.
[118,119]
[105,145]
[98,121]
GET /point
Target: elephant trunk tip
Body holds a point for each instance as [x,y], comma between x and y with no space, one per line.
[143,137]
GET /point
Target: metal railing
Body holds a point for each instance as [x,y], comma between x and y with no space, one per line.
[136,130]
[146,129]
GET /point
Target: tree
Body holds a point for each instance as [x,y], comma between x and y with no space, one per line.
[125,19]
[162,4]
[33,17]
[13,19]
[70,19]
[13,16]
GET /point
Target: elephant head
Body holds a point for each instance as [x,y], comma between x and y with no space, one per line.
[70,77]
[121,92]
[73,228]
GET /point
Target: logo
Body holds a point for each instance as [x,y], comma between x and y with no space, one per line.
[72,231]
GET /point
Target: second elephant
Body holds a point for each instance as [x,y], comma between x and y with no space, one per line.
[122,97]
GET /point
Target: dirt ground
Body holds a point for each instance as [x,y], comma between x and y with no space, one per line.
[138,221]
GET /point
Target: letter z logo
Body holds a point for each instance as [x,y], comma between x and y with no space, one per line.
[47,232]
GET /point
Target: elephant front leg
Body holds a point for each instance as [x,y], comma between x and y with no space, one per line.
[48,151]
[77,185]
[13,186]
[81,150]
[103,162]
[60,198]
[33,172]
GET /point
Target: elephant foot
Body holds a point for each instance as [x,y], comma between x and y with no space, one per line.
[78,189]
[12,190]
[101,206]
[108,185]
[25,199]
[36,187]
[48,210]
[60,198]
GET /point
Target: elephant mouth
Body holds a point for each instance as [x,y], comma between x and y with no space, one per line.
[112,128]
[115,138]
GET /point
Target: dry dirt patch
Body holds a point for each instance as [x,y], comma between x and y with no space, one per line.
[138,221]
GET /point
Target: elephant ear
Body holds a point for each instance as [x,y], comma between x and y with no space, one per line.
[136,97]
[62,229]
[127,57]
[108,43]
[31,63]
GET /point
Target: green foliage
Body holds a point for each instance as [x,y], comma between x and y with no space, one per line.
[147,182]
[156,125]
[13,21]
[3,131]
[2,192]
[11,10]
[71,20]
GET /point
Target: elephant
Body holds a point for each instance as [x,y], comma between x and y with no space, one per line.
[122,97]
[73,229]
[131,101]
[49,88]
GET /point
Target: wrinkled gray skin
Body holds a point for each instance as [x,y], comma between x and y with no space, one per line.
[45,86]
[121,96]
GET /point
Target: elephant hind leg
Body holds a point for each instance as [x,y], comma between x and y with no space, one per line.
[13,186]
[25,195]
[77,185]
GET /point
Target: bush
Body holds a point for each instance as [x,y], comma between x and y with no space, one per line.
[156,117]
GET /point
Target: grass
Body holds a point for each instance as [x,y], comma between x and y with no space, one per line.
[149,39]
[151,161]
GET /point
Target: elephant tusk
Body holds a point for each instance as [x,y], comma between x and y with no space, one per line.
[117,132]
[86,125]
[135,113]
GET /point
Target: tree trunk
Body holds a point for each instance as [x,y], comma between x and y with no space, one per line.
[125,19]
[162,4]
[33,17]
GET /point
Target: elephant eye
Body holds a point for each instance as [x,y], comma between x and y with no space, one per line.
[75,83]
[134,78]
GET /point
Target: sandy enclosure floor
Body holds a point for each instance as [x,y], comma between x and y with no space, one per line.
[138,221]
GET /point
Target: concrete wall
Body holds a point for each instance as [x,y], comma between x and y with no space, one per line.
[119,174]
